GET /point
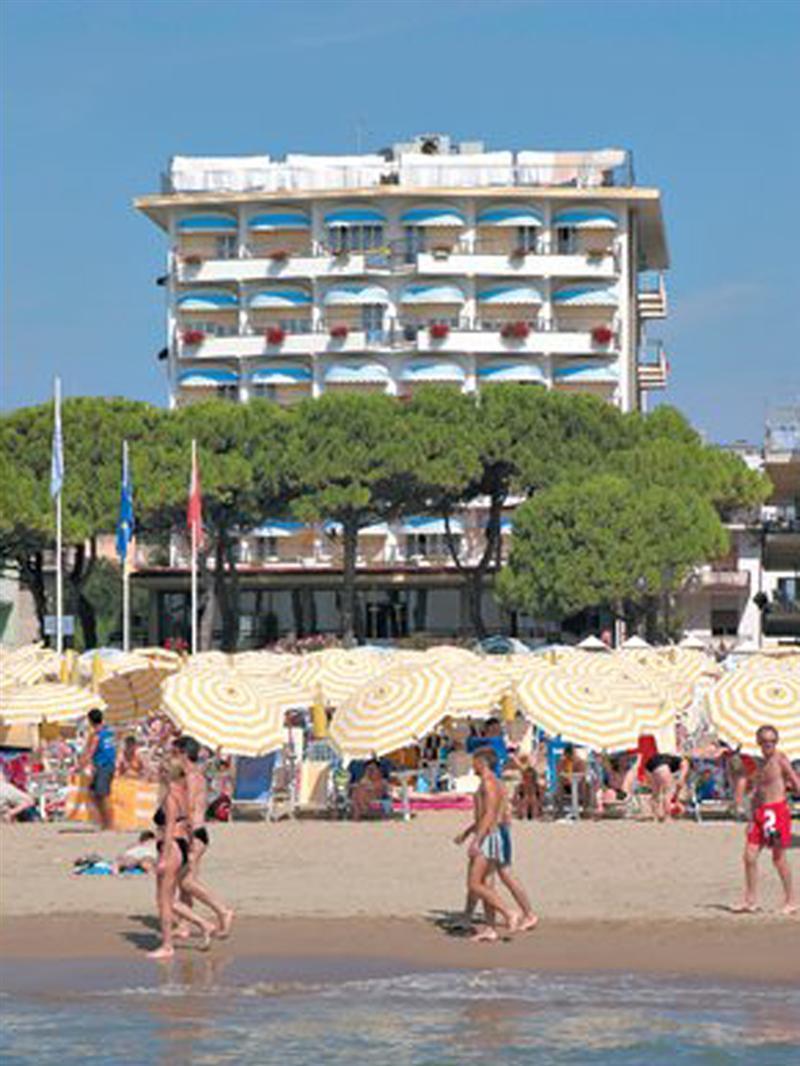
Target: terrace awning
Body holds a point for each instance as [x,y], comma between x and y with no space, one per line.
[208,301]
[355,216]
[356,374]
[280,375]
[509,295]
[433,216]
[585,296]
[438,371]
[510,216]
[351,295]
[429,524]
[586,218]
[207,378]
[207,224]
[275,220]
[432,294]
[519,372]
[278,528]
[279,298]
[587,374]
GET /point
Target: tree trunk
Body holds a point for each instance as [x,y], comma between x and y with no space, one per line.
[79,573]
[230,617]
[350,545]
[206,608]
[474,584]
[31,576]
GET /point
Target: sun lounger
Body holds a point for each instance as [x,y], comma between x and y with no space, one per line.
[253,787]
[314,794]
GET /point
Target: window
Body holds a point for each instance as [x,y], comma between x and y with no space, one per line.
[527,238]
[227,246]
[211,327]
[264,392]
[430,545]
[355,238]
[724,621]
[414,242]
[566,240]
[788,590]
[267,549]
[228,392]
[372,316]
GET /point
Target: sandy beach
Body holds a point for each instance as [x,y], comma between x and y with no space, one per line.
[612,896]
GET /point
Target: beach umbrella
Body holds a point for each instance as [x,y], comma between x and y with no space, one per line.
[451,655]
[222,710]
[692,643]
[338,673]
[635,643]
[398,708]
[277,691]
[262,662]
[132,691]
[475,691]
[30,669]
[164,659]
[209,660]
[593,644]
[579,709]
[746,699]
[50,701]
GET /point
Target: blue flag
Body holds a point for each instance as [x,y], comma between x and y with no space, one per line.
[125,523]
[57,453]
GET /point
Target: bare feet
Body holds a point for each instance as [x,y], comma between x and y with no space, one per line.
[744,908]
[182,932]
[224,930]
[515,923]
[162,954]
[529,923]
[485,935]
[790,909]
[205,937]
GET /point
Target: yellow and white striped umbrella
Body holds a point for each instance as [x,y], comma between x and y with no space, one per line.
[164,659]
[132,691]
[29,669]
[746,699]
[336,672]
[579,709]
[451,655]
[48,702]
[222,710]
[262,662]
[277,691]
[213,659]
[398,708]
[476,691]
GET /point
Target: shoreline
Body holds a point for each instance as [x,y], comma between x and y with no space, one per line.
[753,951]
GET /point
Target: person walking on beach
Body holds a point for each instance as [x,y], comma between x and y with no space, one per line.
[191,887]
[101,753]
[770,823]
[490,852]
[172,822]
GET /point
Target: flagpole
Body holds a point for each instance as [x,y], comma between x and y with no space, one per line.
[194,534]
[126,586]
[59,538]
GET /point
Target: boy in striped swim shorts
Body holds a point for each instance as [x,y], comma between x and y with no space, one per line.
[490,852]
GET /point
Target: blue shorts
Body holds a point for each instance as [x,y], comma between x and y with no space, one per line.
[496,847]
[100,787]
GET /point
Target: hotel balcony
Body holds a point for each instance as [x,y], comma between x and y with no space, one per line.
[721,578]
[653,368]
[651,296]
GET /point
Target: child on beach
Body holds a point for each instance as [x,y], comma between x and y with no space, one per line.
[139,856]
[490,853]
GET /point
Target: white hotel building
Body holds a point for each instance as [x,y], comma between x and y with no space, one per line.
[428,262]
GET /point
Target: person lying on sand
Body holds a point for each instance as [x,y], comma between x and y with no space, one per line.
[770,823]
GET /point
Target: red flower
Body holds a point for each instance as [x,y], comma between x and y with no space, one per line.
[340,331]
[438,330]
[602,335]
[193,336]
[515,330]
[192,259]
[275,335]
[279,255]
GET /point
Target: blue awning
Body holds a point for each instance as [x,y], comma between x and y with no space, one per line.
[274,527]
[519,372]
[271,298]
[356,373]
[272,220]
[207,378]
[585,296]
[508,295]
[432,294]
[434,371]
[429,524]
[280,375]
[355,216]
[207,224]
[208,301]
[513,215]
[603,374]
[350,295]
[586,218]
[433,216]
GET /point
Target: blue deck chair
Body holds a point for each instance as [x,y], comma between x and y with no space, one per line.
[253,783]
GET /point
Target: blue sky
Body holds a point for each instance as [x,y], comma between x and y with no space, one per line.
[97,96]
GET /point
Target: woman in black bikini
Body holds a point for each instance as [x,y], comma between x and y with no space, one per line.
[171,821]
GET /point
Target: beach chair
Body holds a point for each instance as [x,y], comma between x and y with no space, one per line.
[314,788]
[253,786]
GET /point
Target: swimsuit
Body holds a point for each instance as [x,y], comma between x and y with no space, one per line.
[496,846]
[771,826]
[201,834]
[655,761]
[160,820]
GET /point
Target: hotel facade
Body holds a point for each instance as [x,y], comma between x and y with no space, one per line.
[428,262]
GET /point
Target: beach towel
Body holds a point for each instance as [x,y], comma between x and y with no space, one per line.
[133,802]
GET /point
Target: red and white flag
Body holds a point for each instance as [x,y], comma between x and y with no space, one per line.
[194,511]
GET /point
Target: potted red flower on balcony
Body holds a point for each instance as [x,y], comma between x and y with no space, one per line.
[275,335]
[193,336]
[339,331]
[438,330]
[602,335]
[516,331]
[192,259]
[279,255]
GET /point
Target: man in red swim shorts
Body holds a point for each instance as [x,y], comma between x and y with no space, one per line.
[770,821]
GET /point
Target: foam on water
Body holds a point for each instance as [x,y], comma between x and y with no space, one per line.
[424,1019]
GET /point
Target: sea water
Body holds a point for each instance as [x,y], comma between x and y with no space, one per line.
[250,1016]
